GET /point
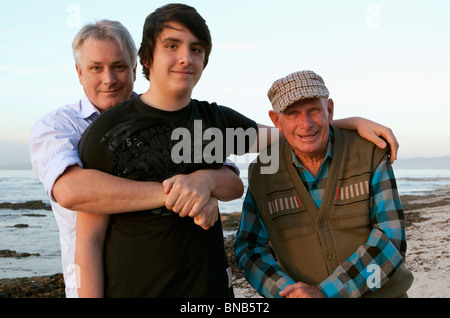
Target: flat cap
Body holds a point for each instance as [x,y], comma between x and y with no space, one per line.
[294,87]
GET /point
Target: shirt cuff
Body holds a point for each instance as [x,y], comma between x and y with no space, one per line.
[56,168]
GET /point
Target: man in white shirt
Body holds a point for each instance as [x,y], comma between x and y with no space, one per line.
[105,57]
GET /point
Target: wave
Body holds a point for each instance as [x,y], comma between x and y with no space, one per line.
[423,179]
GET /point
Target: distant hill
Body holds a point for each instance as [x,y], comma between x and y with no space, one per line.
[423,163]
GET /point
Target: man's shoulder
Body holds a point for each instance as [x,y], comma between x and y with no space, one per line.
[352,139]
[204,106]
[354,145]
[116,115]
[69,113]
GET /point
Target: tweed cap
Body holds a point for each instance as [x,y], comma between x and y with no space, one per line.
[294,87]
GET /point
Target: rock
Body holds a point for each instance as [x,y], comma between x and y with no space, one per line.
[230,220]
[9,253]
[29,205]
[33,287]
[21,225]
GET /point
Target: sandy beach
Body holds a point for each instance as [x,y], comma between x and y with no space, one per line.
[427,230]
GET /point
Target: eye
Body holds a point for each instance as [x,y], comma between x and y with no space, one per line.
[171,46]
[315,110]
[120,67]
[292,114]
[197,49]
[95,69]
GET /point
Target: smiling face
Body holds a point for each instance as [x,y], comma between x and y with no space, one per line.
[106,73]
[178,62]
[305,124]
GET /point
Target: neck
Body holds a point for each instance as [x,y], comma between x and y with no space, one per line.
[312,162]
[165,102]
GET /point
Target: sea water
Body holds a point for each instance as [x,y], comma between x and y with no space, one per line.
[41,234]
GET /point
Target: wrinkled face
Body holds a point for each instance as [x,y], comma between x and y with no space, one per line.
[178,61]
[106,73]
[305,125]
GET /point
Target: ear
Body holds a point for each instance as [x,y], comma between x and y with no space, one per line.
[330,108]
[275,117]
[134,73]
[80,73]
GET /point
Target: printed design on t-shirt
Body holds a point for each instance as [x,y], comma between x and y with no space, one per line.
[144,152]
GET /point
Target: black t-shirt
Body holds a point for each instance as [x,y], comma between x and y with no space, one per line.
[156,253]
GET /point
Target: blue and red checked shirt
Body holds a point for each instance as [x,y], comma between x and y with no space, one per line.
[385,247]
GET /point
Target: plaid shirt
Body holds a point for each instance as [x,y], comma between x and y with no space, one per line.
[385,247]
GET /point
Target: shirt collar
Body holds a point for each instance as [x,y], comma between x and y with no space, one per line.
[328,154]
[87,109]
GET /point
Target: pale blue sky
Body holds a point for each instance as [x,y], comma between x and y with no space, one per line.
[386,60]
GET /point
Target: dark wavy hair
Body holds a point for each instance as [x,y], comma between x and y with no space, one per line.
[156,21]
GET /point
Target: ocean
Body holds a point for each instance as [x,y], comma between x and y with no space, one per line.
[36,232]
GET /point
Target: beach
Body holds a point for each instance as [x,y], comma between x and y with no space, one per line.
[428,234]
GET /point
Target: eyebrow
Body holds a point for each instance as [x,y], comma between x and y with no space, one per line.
[113,63]
[176,40]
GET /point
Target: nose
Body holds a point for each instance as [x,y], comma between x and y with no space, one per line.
[109,77]
[305,121]
[185,56]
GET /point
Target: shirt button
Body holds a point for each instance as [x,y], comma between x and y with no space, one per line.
[330,257]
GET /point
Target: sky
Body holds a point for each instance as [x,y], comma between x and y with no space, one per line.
[385,60]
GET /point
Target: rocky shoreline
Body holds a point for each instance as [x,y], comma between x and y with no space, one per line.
[419,210]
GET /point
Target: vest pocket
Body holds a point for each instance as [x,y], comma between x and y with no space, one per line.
[351,216]
[294,231]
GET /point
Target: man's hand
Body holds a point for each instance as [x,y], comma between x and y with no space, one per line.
[209,215]
[301,290]
[190,195]
[187,194]
[379,135]
[196,194]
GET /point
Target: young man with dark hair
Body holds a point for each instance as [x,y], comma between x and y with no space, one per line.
[154,253]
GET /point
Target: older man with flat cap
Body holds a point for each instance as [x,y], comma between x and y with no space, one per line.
[331,212]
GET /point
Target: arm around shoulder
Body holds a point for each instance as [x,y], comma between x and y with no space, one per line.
[378,134]
[95,191]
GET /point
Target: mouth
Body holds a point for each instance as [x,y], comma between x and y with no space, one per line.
[184,72]
[111,91]
[308,137]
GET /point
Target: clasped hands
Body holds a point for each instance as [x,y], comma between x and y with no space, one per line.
[301,290]
[190,196]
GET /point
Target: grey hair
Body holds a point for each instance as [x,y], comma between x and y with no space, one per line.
[105,30]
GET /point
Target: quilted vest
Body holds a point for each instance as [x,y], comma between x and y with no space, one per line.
[311,242]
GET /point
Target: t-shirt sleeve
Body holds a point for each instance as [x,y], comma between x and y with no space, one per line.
[93,153]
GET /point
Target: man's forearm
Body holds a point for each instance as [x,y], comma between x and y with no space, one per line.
[90,237]
[227,185]
[98,192]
